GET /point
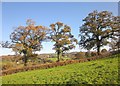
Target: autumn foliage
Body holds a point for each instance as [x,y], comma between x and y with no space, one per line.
[64,40]
[28,39]
[97,29]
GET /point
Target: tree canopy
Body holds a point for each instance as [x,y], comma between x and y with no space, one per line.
[98,27]
[28,39]
[61,35]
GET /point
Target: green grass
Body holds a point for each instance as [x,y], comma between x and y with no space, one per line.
[102,71]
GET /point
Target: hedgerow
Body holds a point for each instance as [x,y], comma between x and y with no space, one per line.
[49,65]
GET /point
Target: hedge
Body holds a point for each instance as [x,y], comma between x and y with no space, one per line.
[50,65]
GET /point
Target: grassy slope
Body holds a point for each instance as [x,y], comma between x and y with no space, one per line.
[99,71]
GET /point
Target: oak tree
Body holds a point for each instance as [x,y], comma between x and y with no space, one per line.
[116,35]
[97,28]
[64,40]
[28,39]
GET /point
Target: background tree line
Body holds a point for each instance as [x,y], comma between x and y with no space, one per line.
[98,29]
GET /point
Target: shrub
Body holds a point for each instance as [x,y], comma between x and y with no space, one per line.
[106,54]
[7,66]
[33,55]
[17,58]
[87,54]
[93,53]
[44,60]
[103,51]
[88,59]
[80,55]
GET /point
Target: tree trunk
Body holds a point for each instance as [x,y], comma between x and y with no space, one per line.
[118,44]
[98,50]
[25,60]
[58,56]
[98,47]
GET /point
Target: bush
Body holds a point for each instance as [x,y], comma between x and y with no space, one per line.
[44,60]
[106,54]
[93,53]
[80,55]
[7,66]
[103,51]
[87,54]
[33,55]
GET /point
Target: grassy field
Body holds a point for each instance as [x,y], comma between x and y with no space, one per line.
[102,71]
